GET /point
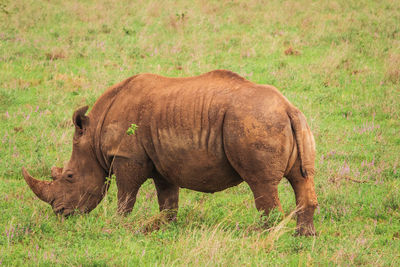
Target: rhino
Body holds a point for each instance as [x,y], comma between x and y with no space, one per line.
[205,133]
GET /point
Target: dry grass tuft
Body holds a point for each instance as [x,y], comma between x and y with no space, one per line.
[392,73]
[157,221]
[292,52]
[56,54]
[69,82]
[178,20]
[206,246]
[275,233]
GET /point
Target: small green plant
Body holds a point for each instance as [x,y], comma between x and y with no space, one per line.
[109,179]
[132,129]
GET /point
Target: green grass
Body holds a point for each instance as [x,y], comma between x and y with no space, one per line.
[343,73]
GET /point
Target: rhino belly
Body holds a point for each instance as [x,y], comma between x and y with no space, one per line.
[198,170]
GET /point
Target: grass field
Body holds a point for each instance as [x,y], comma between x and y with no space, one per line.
[337,61]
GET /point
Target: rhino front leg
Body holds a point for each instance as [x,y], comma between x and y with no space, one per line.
[168,197]
[129,177]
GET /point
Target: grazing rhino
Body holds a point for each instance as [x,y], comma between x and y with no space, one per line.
[205,133]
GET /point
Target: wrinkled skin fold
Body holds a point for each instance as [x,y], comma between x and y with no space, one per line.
[206,133]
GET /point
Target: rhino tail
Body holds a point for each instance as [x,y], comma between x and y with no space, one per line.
[305,142]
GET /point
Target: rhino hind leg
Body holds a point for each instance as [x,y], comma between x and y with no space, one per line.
[259,152]
[168,197]
[261,172]
[306,199]
[265,191]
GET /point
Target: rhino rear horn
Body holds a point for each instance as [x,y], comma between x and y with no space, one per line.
[40,188]
[56,172]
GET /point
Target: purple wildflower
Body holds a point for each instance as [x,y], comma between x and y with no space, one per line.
[345,169]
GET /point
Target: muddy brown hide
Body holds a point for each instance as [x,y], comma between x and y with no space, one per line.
[204,133]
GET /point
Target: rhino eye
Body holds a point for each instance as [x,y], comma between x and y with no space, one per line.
[70,175]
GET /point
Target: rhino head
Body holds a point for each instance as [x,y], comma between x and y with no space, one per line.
[81,184]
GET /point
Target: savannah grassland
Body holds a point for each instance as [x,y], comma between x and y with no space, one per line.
[338,61]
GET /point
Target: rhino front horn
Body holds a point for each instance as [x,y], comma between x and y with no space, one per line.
[40,188]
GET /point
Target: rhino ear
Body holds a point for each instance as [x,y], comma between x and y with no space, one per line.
[79,119]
